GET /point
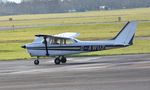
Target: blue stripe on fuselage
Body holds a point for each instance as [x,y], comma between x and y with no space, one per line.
[78,48]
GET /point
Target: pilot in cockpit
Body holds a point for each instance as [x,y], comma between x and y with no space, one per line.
[56,42]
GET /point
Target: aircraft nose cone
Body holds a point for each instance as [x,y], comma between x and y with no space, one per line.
[24,46]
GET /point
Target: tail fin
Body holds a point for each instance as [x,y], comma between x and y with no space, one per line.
[126,35]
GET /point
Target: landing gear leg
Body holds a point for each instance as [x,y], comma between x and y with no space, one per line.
[36,62]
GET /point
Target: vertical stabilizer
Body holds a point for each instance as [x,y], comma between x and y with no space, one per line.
[126,35]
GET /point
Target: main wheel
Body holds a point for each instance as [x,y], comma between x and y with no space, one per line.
[57,61]
[63,60]
[36,62]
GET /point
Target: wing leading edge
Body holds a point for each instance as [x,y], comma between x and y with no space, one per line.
[61,36]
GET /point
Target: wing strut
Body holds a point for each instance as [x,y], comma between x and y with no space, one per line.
[45,41]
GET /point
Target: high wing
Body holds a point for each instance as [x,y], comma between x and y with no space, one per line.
[51,36]
[67,35]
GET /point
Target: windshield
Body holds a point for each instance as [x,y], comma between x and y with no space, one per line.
[38,40]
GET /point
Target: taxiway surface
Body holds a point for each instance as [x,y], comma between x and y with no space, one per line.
[121,72]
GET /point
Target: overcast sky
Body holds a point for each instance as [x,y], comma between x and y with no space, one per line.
[17,1]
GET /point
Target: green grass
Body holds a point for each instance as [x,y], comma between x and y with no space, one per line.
[72,18]
[10,41]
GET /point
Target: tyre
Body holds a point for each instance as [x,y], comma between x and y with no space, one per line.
[63,60]
[57,61]
[36,62]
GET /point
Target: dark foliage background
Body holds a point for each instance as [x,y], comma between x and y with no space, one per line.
[59,6]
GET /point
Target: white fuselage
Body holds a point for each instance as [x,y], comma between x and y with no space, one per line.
[38,49]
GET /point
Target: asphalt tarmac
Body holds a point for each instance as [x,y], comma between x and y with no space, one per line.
[121,72]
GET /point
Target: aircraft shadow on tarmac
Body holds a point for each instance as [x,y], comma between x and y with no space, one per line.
[123,61]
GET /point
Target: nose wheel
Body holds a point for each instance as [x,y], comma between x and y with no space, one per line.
[36,62]
[59,60]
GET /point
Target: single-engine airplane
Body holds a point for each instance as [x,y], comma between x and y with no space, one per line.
[66,43]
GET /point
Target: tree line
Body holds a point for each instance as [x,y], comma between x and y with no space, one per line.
[60,6]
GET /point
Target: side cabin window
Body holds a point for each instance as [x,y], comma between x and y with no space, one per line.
[59,41]
[68,41]
[55,41]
